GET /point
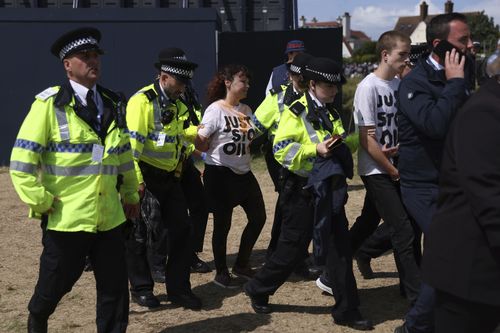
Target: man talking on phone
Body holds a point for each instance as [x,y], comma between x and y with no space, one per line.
[429,97]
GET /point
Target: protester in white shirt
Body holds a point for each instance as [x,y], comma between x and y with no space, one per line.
[225,134]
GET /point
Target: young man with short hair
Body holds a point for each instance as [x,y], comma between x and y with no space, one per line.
[375,110]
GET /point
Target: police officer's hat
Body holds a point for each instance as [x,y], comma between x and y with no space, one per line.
[299,63]
[295,46]
[416,51]
[81,39]
[324,70]
[174,61]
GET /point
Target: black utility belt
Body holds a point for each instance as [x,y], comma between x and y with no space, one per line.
[153,171]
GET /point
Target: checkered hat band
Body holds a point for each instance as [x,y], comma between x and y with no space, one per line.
[295,69]
[330,77]
[180,57]
[178,71]
[76,43]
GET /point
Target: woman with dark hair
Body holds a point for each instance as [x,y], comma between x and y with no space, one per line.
[225,134]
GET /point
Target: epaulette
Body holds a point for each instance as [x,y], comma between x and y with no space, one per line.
[297,108]
[64,95]
[275,90]
[150,94]
[49,92]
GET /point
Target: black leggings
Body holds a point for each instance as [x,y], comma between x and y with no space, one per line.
[226,190]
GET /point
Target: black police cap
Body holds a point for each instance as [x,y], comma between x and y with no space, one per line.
[418,50]
[324,70]
[81,39]
[299,62]
[173,60]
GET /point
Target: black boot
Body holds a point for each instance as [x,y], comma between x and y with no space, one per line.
[37,324]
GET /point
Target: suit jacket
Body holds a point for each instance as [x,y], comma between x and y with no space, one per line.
[462,247]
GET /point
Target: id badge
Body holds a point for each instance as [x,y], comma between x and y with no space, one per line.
[161,140]
[97,153]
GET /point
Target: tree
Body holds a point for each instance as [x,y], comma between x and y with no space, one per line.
[485,31]
[365,53]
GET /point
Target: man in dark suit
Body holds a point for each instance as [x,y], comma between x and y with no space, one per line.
[429,97]
[462,249]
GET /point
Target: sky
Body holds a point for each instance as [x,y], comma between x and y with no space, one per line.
[375,17]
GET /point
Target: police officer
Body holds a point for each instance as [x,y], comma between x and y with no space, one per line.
[194,192]
[266,119]
[74,136]
[279,75]
[307,129]
[154,119]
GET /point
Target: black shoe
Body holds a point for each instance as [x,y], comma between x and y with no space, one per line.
[401,329]
[187,300]
[308,272]
[36,324]
[359,324]
[314,272]
[158,276]
[260,304]
[199,266]
[364,267]
[148,300]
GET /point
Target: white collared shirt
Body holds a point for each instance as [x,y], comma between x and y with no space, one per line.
[81,94]
[436,65]
[317,101]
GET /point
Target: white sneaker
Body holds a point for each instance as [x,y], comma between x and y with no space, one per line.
[323,286]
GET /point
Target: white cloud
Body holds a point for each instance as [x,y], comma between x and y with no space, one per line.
[490,7]
[375,19]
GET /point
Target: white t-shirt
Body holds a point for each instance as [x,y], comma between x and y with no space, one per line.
[375,105]
[230,131]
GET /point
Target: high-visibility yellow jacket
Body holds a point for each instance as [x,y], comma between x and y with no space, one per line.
[53,157]
[153,142]
[267,115]
[190,128]
[294,144]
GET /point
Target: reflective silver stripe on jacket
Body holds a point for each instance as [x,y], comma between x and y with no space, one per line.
[126,167]
[136,153]
[158,154]
[310,130]
[81,170]
[294,149]
[23,167]
[281,105]
[62,121]
[157,115]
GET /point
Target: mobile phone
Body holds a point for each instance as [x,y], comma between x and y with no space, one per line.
[337,140]
[444,46]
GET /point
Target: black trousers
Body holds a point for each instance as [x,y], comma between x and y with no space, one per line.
[227,190]
[377,243]
[457,315]
[273,167]
[61,265]
[194,192]
[295,236]
[138,266]
[174,213]
[365,224]
[386,196]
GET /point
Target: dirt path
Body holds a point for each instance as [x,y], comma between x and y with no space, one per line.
[299,305]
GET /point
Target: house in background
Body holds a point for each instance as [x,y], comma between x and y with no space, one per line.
[414,26]
[353,39]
